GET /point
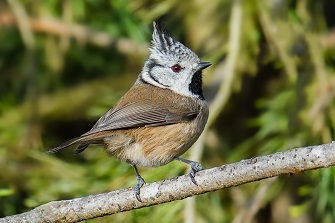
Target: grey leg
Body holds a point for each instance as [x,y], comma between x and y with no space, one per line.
[195,167]
[140,182]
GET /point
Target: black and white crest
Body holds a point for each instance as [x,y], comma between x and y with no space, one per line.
[161,38]
[163,43]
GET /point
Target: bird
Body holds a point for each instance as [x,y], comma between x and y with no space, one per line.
[160,117]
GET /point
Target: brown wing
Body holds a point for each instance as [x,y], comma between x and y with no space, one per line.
[141,113]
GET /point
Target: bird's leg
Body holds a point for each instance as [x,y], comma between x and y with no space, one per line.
[140,182]
[195,167]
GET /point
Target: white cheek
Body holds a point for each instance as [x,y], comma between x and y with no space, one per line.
[147,78]
[181,86]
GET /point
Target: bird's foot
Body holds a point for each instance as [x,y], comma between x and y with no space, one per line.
[140,182]
[195,167]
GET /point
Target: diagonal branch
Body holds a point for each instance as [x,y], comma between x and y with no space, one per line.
[245,171]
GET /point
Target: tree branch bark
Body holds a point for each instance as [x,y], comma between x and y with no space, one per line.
[230,175]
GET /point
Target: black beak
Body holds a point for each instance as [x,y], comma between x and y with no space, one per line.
[203,65]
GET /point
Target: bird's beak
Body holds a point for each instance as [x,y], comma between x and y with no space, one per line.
[203,65]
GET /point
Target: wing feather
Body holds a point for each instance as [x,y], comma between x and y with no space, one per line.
[141,113]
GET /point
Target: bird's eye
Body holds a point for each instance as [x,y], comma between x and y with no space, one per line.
[176,68]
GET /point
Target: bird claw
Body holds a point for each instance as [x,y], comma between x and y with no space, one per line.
[195,167]
[137,193]
[140,182]
[191,175]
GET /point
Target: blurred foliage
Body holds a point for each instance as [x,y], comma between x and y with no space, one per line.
[64,63]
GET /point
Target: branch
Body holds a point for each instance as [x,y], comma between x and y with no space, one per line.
[230,175]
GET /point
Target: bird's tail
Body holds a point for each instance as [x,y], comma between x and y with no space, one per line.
[84,141]
[65,145]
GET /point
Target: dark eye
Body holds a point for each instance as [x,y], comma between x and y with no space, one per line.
[176,68]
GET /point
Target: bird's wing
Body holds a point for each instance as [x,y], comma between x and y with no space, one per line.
[142,113]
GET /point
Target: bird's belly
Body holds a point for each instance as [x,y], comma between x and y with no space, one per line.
[157,146]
